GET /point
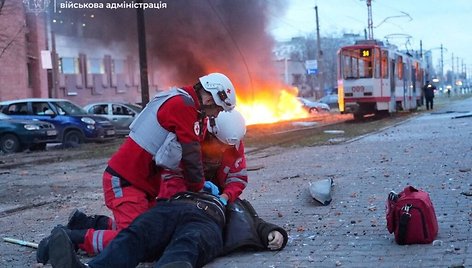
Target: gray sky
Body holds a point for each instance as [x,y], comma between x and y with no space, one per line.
[435,22]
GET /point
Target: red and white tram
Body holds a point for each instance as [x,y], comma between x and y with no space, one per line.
[373,78]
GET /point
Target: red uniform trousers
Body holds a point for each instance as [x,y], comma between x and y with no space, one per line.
[126,202]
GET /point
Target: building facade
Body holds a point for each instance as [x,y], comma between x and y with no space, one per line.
[22,38]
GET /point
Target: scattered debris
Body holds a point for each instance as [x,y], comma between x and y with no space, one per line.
[336,140]
[462,116]
[467,193]
[20,242]
[372,208]
[255,167]
[321,191]
[334,131]
[465,169]
[291,177]
[304,124]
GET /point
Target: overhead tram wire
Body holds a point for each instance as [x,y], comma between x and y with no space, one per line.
[236,45]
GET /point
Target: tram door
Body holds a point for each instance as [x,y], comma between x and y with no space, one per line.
[406,85]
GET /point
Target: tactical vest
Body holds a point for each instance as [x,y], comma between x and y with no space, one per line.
[145,129]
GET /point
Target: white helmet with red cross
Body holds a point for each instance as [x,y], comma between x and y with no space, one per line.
[221,89]
[228,127]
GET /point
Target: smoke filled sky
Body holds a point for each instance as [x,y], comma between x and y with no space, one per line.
[190,38]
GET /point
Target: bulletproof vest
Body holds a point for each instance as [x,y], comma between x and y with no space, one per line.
[145,129]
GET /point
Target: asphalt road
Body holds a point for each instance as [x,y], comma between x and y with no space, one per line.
[431,151]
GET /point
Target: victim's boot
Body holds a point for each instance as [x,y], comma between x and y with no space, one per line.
[79,220]
[75,236]
[62,251]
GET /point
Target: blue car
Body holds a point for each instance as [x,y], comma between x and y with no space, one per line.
[19,134]
[73,124]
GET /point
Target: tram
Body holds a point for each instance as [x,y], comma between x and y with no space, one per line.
[374,78]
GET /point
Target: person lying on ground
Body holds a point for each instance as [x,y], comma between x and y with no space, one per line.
[183,231]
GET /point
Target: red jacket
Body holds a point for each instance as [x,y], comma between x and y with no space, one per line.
[231,176]
[224,165]
[137,166]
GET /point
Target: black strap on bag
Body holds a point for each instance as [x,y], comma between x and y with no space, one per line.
[402,227]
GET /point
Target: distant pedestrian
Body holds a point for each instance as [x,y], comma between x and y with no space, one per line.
[429,94]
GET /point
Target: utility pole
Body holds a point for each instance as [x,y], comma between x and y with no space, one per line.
[370,24]
[453,74]
[442,67]
[54,91]
[319,58]
[143,68]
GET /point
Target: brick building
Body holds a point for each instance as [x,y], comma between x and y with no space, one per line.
[86,70]
[22,38]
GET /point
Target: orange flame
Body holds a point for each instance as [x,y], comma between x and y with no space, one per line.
[269,107]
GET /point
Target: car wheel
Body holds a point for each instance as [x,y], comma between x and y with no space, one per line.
[72,138]
[9,143]
[38,147]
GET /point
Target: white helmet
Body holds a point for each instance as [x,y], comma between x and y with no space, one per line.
[228,127]
[221,89]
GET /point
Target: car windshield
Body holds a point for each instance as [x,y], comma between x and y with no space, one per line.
[65,107]
[4,116]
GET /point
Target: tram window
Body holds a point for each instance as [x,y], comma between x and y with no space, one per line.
[350,67]
[384,64]
[365,68]
[400,67]
[356,64]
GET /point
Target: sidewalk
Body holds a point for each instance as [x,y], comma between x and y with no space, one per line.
[431,151]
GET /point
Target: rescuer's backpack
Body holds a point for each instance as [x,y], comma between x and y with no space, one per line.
[411,217]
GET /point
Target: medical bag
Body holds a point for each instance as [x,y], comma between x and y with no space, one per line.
[411,217]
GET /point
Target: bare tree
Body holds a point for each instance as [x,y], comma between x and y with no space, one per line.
[11,32]
[2,2]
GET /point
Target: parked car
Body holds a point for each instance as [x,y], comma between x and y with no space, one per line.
[19,134]
[73,124]
[121,115]
[331,100]
[313,106]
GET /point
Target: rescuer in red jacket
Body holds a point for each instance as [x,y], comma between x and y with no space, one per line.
[223,158]
[224,164]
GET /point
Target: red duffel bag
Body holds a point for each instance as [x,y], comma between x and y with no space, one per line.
[411,217]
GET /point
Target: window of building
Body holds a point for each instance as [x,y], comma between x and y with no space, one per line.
[95,66]
[117,66]
[69,65]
